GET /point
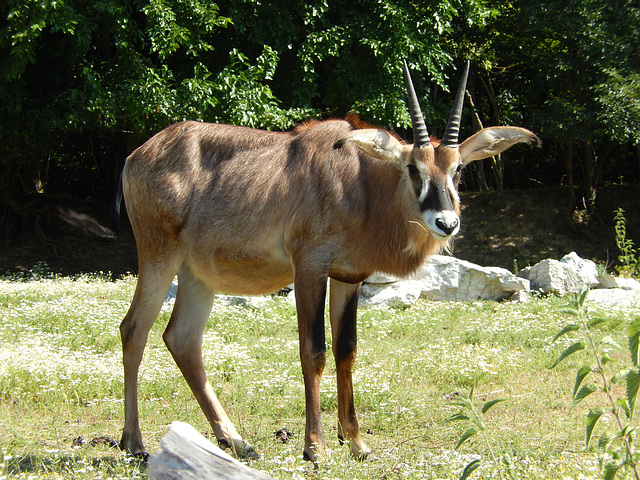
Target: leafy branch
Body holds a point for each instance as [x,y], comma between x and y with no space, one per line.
[630,264]
[591,379]
[475,418]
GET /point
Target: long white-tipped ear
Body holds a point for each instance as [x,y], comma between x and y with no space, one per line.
[494,140]
[377,143]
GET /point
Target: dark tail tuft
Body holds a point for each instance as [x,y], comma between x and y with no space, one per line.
[114,218]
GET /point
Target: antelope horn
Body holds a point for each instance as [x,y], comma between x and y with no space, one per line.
[420,134]
[453,125]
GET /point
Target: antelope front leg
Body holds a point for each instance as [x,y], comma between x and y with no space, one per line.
[310,291]
[343,309]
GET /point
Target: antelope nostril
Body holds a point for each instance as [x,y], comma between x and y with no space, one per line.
[448,226]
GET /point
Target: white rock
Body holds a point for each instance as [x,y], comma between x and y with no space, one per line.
[609,281]
[554,277]
[614,298]
[587,269]
[448,278]
[521,296]
[399,294]
[628,283]
[382,279]
[237,300]
[242,301]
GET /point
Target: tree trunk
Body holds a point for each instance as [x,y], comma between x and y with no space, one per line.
[477,126]
[497,166]
[567,148]
[592,169]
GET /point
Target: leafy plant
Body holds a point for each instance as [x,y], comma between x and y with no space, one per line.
[475,418]
[617,447]
[630,265]
[39,271]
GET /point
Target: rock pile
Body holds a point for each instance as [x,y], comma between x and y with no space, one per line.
[448,278]
[444,278]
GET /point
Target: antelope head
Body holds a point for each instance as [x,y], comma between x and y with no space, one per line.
[433,167]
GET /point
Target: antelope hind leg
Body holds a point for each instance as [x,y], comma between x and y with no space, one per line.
[183,337]
[150,293]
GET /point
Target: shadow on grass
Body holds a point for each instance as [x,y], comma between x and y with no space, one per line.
[117,465]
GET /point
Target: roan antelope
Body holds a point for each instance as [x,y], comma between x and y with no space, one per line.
[235,210]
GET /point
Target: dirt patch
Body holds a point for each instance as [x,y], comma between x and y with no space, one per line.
[46,240]
[504,229]
[516,228]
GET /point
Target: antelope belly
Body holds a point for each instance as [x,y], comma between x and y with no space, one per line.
[242,275]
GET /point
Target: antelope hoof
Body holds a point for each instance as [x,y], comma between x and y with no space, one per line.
[133,447]
[312,453]
[359,449]
[240,449]
[360,452]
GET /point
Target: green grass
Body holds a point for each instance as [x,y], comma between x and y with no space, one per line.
[61,379]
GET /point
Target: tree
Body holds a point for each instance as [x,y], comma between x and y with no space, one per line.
[83,83]
[339,56]
[556,64]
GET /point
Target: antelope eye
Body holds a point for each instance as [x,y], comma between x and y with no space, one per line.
[415,178]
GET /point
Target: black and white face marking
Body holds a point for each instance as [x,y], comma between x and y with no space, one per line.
[438,196]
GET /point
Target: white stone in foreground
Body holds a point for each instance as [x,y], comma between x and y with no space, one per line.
[187,455]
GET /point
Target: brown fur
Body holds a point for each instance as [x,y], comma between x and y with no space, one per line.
[235,210]
[240,203]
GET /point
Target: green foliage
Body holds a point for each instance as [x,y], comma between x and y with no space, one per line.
[619,453]
[337,56]
[247,100]
[629,261]
[84,83]
[563,65]
[477,427]
[619,98]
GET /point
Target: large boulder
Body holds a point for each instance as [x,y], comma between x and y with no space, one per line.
[445,278]
[561,277]
[448,278]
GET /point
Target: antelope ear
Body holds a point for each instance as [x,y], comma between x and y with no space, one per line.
[377,143]
[494,140]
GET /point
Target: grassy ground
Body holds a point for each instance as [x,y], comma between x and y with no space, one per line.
[61,385]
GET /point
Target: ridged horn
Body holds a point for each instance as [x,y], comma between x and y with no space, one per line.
[420,134]
[453,125]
